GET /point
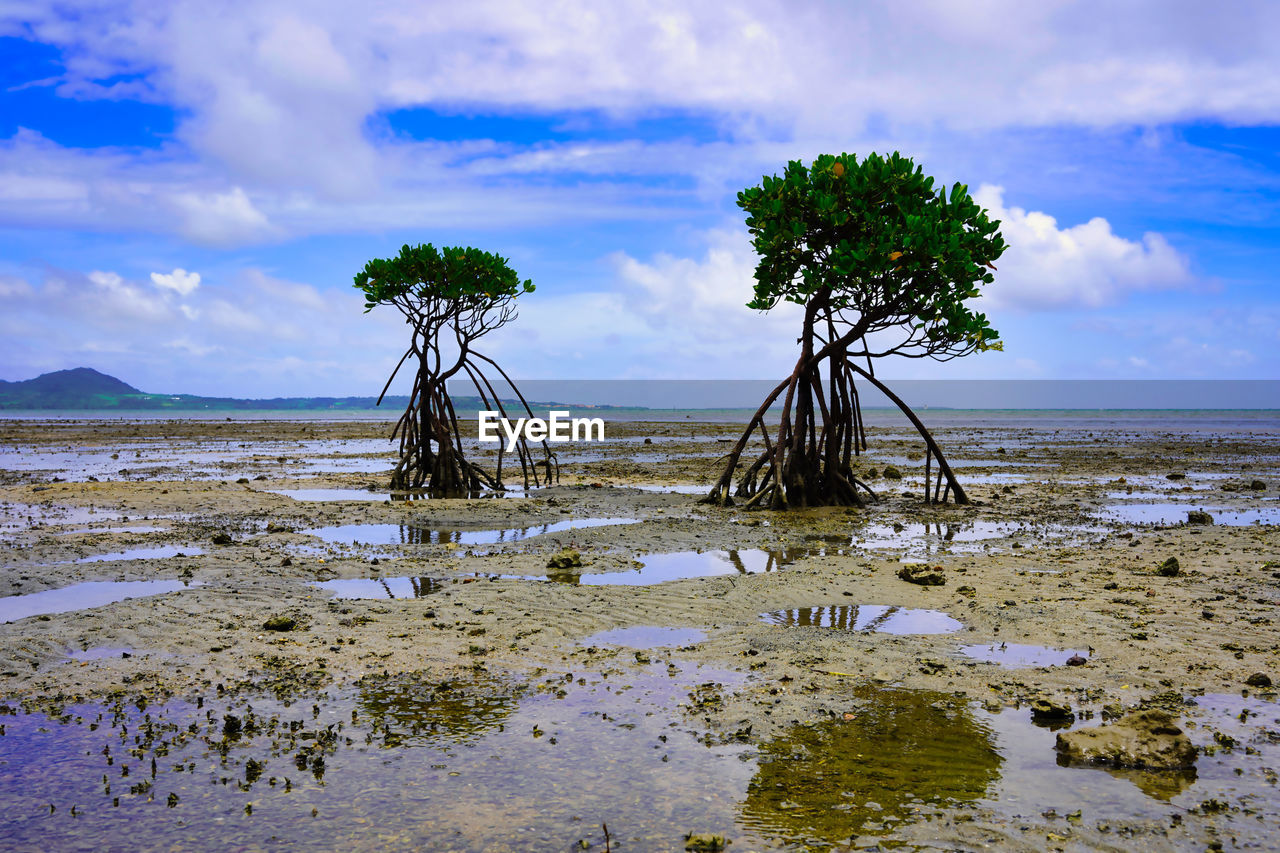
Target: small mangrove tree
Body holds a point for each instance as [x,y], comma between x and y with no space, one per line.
[449,297]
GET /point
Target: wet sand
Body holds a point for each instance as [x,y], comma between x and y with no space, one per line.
[1048,556]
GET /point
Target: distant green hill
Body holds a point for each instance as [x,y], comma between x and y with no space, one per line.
[83,388]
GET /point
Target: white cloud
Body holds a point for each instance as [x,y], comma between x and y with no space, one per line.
[180,281]
[1048,267]
[274,99]
[221,217]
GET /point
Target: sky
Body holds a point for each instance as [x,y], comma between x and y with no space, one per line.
[188,188]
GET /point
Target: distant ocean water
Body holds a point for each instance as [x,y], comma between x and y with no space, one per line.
[1229,421]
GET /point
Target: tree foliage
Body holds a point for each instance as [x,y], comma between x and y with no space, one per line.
[875,246]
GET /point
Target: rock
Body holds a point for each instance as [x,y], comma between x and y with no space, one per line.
[1144,739]
[891,473]
[967,591]
[923,575]
[221,539]
[1258,679]
[281,622]
[1258,486]
[1170,568]
[705,842]
[1077,660]
[1175,476]
[1199,516]
[648,441]
[565,558]
[1047,711]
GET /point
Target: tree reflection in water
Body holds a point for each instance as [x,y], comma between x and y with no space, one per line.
[891,753]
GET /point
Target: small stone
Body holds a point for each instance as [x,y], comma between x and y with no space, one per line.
[967,591]
[1258,486]
[1170,568]
[923,575]
[565,558]
[1144,739]
[892,473]
[1047,711]
[1175,476]
[1258,679]
[281,622]
[1077,660]
[1199,516]
[705,843]
[221,539]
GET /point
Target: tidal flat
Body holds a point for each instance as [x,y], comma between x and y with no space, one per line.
[260,647]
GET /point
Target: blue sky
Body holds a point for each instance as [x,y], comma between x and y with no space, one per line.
[186,191]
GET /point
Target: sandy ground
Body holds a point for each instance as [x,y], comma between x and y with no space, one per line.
[1034,560]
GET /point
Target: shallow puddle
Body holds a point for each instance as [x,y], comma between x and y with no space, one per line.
[1176,513]
[143,528]
[1014,655]
[680,565]
[102,653]
[154,552]
[331,494]
[82,596]
[645,637]
[679,489]
[921,539]
[398,587]
[402,762]
[653,569]
[887,756]
[409,761]
[412,534]
[881,618]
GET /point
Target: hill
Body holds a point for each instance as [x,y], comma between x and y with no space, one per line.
[83,388]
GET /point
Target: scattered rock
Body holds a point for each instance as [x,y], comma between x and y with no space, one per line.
[284,622]
[1199,516]
[287,561]
[967,591]
[221,539]
[648,441]
[1047,711]
[923,575]
[705,842]
[565,558]
[1258,679]
[891,473]
[1144,739]
[1258,486]
[1170,568]
[1175,476]
[1077,660]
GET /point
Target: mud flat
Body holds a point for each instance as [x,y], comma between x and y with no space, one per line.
[228,631]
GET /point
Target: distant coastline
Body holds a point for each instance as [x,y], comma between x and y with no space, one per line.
[87,390]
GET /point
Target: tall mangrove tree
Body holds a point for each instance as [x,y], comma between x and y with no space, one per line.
[883,263]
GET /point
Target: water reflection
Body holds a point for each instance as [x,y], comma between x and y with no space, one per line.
[83,596]
[871,768]
[398,587]
[424,534]
[880,618]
